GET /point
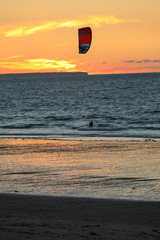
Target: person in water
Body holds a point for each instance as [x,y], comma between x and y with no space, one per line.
[91,124]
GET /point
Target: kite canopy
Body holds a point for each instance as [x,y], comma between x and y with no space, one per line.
[85,37]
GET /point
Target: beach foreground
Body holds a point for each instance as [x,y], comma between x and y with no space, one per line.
[39,217]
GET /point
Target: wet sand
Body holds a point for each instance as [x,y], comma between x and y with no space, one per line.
[22,146]
[39,217]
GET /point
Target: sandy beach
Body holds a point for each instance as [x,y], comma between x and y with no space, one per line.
[26,216]
[38,217]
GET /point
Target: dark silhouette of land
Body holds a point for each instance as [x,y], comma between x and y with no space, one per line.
[47,74]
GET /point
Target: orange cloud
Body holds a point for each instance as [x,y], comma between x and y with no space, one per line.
[17,56]
[94,20]
[39,64]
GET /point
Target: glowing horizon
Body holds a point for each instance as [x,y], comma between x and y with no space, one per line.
[43,37]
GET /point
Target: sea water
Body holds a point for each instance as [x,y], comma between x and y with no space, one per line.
[125,105]
[122,107]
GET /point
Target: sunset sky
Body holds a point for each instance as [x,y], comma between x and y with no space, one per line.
[42,36]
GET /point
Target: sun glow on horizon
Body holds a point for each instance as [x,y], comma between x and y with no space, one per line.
[39,64]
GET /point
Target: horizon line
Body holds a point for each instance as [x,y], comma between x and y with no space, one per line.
[76,72]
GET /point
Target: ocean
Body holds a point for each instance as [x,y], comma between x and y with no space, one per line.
[37,110]
[61,107]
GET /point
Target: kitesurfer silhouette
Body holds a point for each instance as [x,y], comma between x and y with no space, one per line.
[91,124]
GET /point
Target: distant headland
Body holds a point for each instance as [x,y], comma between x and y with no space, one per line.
[43,74]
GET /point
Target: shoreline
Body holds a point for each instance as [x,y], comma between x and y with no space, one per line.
[121,140]
[41,217]
[78,138]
